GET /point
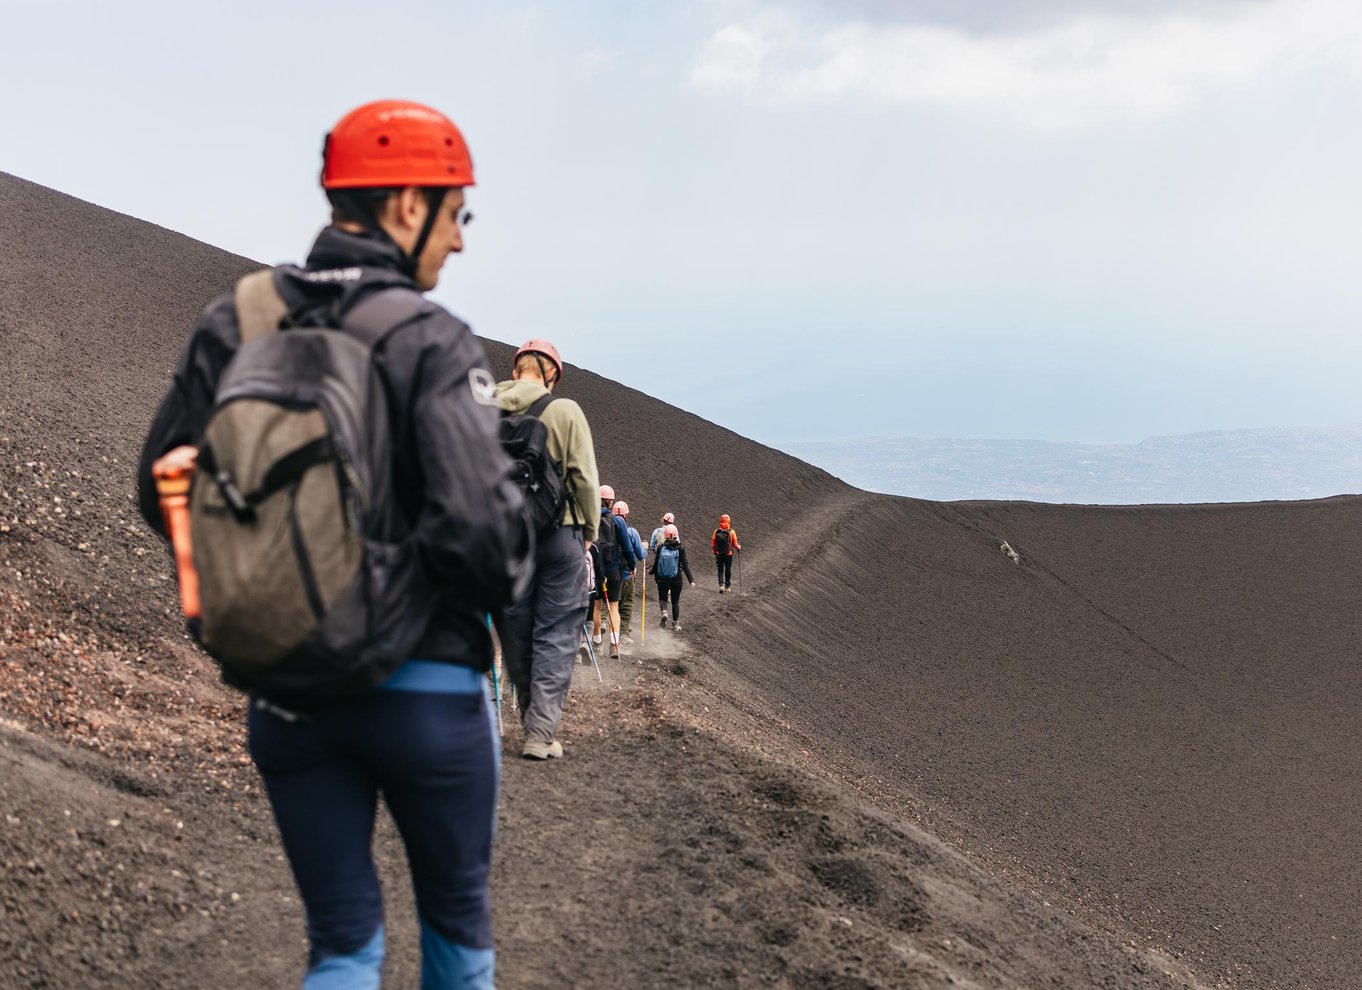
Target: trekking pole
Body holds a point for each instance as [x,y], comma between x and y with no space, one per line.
[643,622]
[591,651]
[739,556]
[496,677]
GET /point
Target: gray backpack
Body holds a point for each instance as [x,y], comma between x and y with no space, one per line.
[309,589]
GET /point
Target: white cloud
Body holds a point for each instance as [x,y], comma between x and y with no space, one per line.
[1088,69]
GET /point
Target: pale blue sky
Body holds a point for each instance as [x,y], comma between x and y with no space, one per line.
[1062,220]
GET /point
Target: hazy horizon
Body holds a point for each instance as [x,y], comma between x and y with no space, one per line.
[1073,220]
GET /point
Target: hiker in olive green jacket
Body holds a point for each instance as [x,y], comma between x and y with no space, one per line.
[543,628]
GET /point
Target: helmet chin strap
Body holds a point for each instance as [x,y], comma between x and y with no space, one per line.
[435,198]
[411,260]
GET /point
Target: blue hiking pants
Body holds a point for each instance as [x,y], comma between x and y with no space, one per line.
[425,741]
[542,632]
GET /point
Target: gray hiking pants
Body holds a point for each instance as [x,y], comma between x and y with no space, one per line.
[543,630]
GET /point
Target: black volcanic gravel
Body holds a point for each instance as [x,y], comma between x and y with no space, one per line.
[897,759]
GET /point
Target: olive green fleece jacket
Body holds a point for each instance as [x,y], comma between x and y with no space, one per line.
[569,444]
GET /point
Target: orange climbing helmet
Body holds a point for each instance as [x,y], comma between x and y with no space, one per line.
[621,509]
[671,532]
[395,143]
[724,520]
[667,517]
[607,493]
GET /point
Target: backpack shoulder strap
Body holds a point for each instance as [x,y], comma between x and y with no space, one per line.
[259,306]
[378,313]
[538,406]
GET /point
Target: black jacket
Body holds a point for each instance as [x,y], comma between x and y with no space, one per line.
[451,475]
[684,568]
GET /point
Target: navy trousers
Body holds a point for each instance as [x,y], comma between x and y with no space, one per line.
[433,757]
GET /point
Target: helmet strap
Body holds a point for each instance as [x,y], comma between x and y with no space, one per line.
[435,197]
[543,372]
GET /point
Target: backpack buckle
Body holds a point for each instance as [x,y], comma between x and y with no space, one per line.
[241,509]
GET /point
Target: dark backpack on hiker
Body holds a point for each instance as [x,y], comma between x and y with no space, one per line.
[608,537]
[723,542]
[309,590]
[525,439]
[668,561]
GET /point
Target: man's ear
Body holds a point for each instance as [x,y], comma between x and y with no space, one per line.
[407,210]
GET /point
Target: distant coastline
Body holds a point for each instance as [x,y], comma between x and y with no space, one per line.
[1221,466]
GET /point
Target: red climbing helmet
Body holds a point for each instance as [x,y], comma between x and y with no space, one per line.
[395,143]
[724,520]
[671,533]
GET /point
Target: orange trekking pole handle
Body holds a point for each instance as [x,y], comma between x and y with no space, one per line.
[173,473]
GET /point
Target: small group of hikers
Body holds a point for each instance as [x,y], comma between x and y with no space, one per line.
[355,505]
[618,554]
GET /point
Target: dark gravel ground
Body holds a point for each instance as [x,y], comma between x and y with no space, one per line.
[896,760]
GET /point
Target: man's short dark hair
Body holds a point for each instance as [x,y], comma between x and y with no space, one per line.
[361,206]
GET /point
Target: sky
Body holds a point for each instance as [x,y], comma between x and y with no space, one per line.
[1072,220]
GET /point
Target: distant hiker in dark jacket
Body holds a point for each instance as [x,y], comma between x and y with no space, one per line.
[616,555]
[543,628]
[395,173]
[725,545]
[669,563]
[640,553]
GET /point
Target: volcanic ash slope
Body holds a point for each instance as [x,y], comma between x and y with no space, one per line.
[897,759]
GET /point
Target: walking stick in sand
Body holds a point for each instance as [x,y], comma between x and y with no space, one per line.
[496,676]
[591,651]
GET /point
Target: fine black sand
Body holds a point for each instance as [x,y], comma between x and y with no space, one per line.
[896,759]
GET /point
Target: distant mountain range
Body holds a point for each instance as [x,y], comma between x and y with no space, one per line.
[1222,466]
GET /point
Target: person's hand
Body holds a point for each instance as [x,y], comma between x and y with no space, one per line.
[588,545]
[182,460]
[692,584]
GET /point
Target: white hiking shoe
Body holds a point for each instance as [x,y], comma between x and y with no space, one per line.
[664,618]
[537,749]
[676,627]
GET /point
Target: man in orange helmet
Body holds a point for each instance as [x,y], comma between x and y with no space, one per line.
[725,544]
[395,173]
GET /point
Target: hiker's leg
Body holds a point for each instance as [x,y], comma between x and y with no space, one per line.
[676,599]
[627,606]
[719,566]
[324,805]
[440,782]
[726,571]
[558,618]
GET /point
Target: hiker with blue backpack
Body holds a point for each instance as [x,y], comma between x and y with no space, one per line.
[669,563]
[354,521]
